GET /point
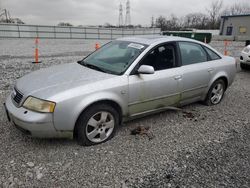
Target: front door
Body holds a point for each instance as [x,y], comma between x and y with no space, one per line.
[150,92]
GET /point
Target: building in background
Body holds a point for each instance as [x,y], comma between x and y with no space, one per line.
[236,26]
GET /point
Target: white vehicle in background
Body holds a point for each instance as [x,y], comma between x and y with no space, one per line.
[245,57]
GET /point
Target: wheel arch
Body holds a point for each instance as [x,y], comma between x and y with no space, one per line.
[109,102]
[222,76]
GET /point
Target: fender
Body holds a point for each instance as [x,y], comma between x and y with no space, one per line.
[117,98]
[67,123]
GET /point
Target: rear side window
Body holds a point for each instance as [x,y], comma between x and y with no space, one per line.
[212,54]
[192,53]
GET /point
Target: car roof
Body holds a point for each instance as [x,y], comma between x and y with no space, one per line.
[158,39]
[154,39]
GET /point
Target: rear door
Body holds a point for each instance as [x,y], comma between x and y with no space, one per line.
[150,92]
[196,71]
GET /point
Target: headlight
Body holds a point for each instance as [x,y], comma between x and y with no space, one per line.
[39,105]
[246,50]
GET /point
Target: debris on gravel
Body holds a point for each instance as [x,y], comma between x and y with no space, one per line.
[142,130]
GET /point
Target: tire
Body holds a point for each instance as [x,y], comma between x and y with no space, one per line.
[96,125]
[215,93]
[243,66]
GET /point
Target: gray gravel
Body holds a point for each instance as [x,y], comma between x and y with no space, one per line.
[210,150]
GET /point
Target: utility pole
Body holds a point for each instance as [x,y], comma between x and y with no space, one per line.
[128,17]
[120,24]
[152,21]
[6,15]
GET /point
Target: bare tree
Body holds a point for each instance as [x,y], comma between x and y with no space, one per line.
[196,20]
[65,24]
[237,9]
[161,22]
[181,22]
[214,13]
[172,23]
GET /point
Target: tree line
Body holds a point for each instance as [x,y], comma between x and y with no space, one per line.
[208,20]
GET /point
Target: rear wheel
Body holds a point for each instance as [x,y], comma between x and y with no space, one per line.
[215,93]
[97,125]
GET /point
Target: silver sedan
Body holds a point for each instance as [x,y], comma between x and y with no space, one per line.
[124,79]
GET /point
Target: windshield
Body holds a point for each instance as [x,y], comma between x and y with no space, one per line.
[115,57]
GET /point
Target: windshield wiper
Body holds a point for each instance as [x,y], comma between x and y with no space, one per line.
[91,66]
[95,67]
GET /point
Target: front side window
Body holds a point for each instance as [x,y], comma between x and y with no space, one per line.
[115,57]
[162,57]
[192,53]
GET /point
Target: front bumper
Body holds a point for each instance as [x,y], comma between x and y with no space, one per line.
[32,123]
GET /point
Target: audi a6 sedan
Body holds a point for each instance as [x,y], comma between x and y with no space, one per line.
[124,79]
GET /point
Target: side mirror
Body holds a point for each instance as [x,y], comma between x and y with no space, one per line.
[146,69]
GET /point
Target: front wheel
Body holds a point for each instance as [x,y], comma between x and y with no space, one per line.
[96,125]
[215,93]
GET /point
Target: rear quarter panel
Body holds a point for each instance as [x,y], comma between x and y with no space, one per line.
[224,67]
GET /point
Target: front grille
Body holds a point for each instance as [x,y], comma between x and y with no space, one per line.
[17,96]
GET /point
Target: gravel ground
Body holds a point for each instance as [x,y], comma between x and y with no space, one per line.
[210,149]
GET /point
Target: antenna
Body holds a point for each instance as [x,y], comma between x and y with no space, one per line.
[128,18]
[120,16]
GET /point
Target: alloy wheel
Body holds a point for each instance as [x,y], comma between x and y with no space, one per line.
[100,126]
[217,93]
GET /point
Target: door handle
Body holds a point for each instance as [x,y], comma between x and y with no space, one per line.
[178,77]
[210,70]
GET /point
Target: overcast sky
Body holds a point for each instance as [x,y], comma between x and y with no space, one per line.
[98,12]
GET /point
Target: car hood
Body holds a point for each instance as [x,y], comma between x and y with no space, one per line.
[50,81]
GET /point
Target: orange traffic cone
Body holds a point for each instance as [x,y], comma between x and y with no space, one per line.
[36,51]
[225,49]
[97,46]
